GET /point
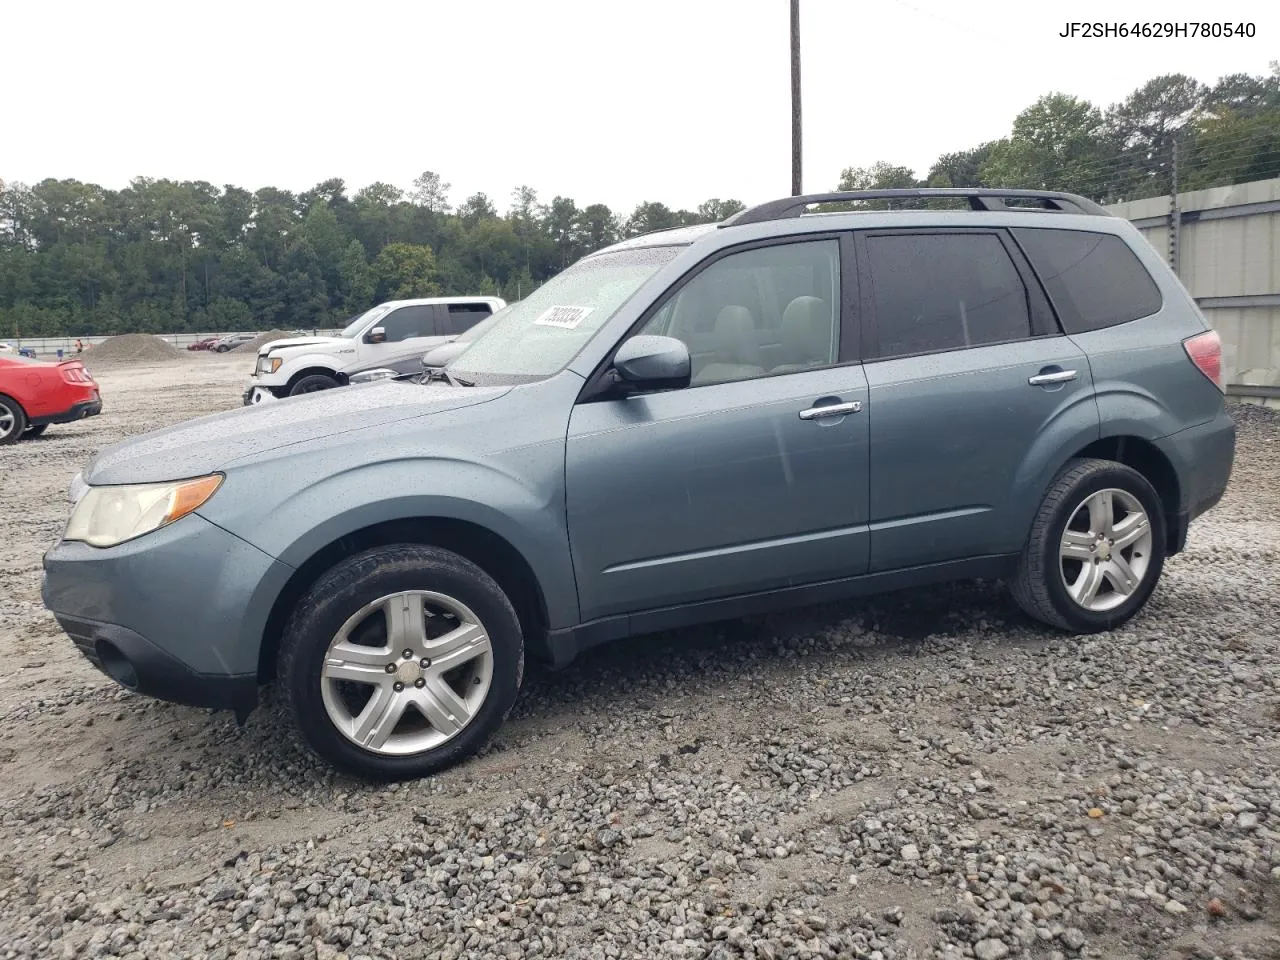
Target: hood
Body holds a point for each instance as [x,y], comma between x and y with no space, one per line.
[298,342]
[207,444]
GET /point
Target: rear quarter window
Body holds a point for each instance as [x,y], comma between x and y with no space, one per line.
[1093,279]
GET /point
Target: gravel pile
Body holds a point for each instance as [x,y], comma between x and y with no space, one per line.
[922,776]
[130,348]
[261,340]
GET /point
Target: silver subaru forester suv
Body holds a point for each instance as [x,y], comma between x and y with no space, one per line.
[813,400]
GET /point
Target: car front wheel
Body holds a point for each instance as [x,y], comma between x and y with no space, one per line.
[1096,548]
[401,661]
[311,383]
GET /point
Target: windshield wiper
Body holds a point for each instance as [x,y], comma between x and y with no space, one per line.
[439,373]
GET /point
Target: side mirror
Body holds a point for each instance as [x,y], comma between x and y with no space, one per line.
[650,362]
[376,335]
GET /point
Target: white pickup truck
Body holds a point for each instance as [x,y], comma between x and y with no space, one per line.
[393,335]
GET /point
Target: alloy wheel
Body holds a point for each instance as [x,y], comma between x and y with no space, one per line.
[407,672]
[1106,549]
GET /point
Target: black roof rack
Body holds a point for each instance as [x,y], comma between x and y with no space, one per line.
[979,198]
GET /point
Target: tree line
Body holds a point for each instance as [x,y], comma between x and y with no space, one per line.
[1172,128]
[77,259]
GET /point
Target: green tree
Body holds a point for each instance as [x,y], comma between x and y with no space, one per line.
[560,220]
[1143,130]
[404,271]
[431,192]
[596,227]
[960,169]
[648,217]
[878,176]
[1057,144]
[477,207]
[715,209]
[356,281]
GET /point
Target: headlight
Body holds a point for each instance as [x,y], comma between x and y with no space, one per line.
[105,516]
[369,376]
[77,489]
[270,364]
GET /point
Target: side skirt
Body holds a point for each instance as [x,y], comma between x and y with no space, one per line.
[564,645]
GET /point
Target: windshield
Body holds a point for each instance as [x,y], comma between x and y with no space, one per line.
[540,334]
[354,327]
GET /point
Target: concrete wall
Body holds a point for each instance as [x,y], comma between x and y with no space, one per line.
[1228,256]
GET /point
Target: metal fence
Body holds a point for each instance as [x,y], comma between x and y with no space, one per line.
[1224,244]
[48,347]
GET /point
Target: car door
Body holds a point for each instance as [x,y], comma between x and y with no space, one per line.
[973,391]
[755,475]
[410,331]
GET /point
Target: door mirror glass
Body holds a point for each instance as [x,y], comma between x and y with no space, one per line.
[653,362]
[376,335]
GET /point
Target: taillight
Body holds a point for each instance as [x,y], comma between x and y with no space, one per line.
[76,375]
[1205,351]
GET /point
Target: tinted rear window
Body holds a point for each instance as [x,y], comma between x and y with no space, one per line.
[945,292]
[463,316]
[1093,279]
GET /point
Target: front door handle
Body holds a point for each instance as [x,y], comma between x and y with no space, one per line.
[831,410]
[1059,376]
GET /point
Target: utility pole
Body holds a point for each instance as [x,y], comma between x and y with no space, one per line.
[795,99]
[1175,211]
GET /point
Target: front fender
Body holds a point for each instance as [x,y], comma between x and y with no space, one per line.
[528,514]
[295,365]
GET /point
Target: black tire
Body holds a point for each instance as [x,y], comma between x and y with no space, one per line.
[346,589]
[221,349]
[311,383]
[1039,585]
[37,430]
[11,413]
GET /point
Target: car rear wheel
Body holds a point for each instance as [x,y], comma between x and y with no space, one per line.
[13,420]
[401,661]
[37,430]
[311,383]
[1096,549]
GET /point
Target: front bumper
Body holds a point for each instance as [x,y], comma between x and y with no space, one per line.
[177,614]
[138,664]
[255,394]
[86,408]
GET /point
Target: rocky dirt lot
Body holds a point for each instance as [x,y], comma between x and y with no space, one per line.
[930,775]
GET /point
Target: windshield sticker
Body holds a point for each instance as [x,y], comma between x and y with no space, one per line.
[565,317]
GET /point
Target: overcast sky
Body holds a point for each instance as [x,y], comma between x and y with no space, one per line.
[600,100]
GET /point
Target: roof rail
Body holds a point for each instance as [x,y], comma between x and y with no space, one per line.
[979,198]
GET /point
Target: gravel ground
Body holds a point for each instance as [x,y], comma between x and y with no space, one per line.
[928,775]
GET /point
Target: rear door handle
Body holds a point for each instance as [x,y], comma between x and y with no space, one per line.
[831,410]
[1060,376]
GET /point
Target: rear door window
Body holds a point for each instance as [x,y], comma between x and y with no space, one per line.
[1093,279]
[458,318]
[944,291]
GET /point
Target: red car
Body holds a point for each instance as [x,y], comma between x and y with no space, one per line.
[34,394]
[205,344]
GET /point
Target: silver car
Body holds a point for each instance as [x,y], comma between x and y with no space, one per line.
[784,408]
